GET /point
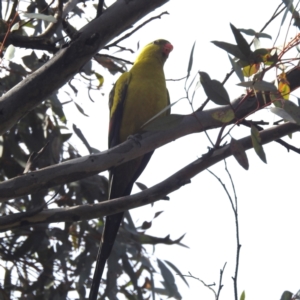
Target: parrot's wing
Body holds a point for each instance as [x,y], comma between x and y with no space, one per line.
[117,98]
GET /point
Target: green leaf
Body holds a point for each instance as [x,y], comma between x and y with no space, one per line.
[263,35]
[230,48]
[177,271]
[239,153]
[260,52]
[214,90]
[15,27]
[158,214]
[57,107]
[289,111]
[289,7]
[237,69]
[100,79]
[190,61]
[141,186]
[256,142]
[146,225]
[31,61]
[286,295]
[243,296]
[260,85]
[169,280]
[80,109]
[250,32]
[241,41]
[9,52]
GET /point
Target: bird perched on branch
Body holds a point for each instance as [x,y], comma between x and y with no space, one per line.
[137,96]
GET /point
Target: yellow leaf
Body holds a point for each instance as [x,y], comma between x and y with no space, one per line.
[284,90]
[250,70]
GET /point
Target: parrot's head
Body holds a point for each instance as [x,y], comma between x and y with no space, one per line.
[158,49]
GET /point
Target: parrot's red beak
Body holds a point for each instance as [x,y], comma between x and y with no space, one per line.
[167,49]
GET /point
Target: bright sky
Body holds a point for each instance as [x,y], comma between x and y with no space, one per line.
[268,196]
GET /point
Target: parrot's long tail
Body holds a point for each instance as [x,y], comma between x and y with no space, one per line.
[110,231]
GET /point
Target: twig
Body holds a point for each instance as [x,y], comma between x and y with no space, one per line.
[209,286]
[220,282]
[235,211]
[100,8]
[136,29]
[237,233]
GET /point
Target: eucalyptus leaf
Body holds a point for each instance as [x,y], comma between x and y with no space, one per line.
[214,90]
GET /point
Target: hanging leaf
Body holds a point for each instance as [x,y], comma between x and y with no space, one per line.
[289,7]
[10,52]
[237,69]
[239,153]
[286,295]
[284,89]
[214,90]
[241,42]
[15,27]
[169,280]
[289,111]
[80,109]
[158,214]
[256,43]
[282,114]
[177,271]
[256,142]
[292,109]
[243,296]
[283,86]
[190,61]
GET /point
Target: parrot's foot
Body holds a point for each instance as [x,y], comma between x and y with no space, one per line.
[136,138]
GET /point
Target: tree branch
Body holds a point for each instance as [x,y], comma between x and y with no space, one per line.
[155,193]
[68,61]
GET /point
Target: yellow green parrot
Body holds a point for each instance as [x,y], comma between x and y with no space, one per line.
[137,96]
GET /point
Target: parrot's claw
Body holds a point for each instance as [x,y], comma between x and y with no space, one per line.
[136,138]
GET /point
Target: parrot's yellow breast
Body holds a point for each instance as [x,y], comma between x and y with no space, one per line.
[146,96]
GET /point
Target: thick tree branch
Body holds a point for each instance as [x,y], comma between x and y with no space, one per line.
[79,168]
[155,193]
[67,62]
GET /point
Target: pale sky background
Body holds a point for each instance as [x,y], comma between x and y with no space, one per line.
[268,196]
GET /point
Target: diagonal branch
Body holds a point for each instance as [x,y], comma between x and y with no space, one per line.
[68,61]
[155,193]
